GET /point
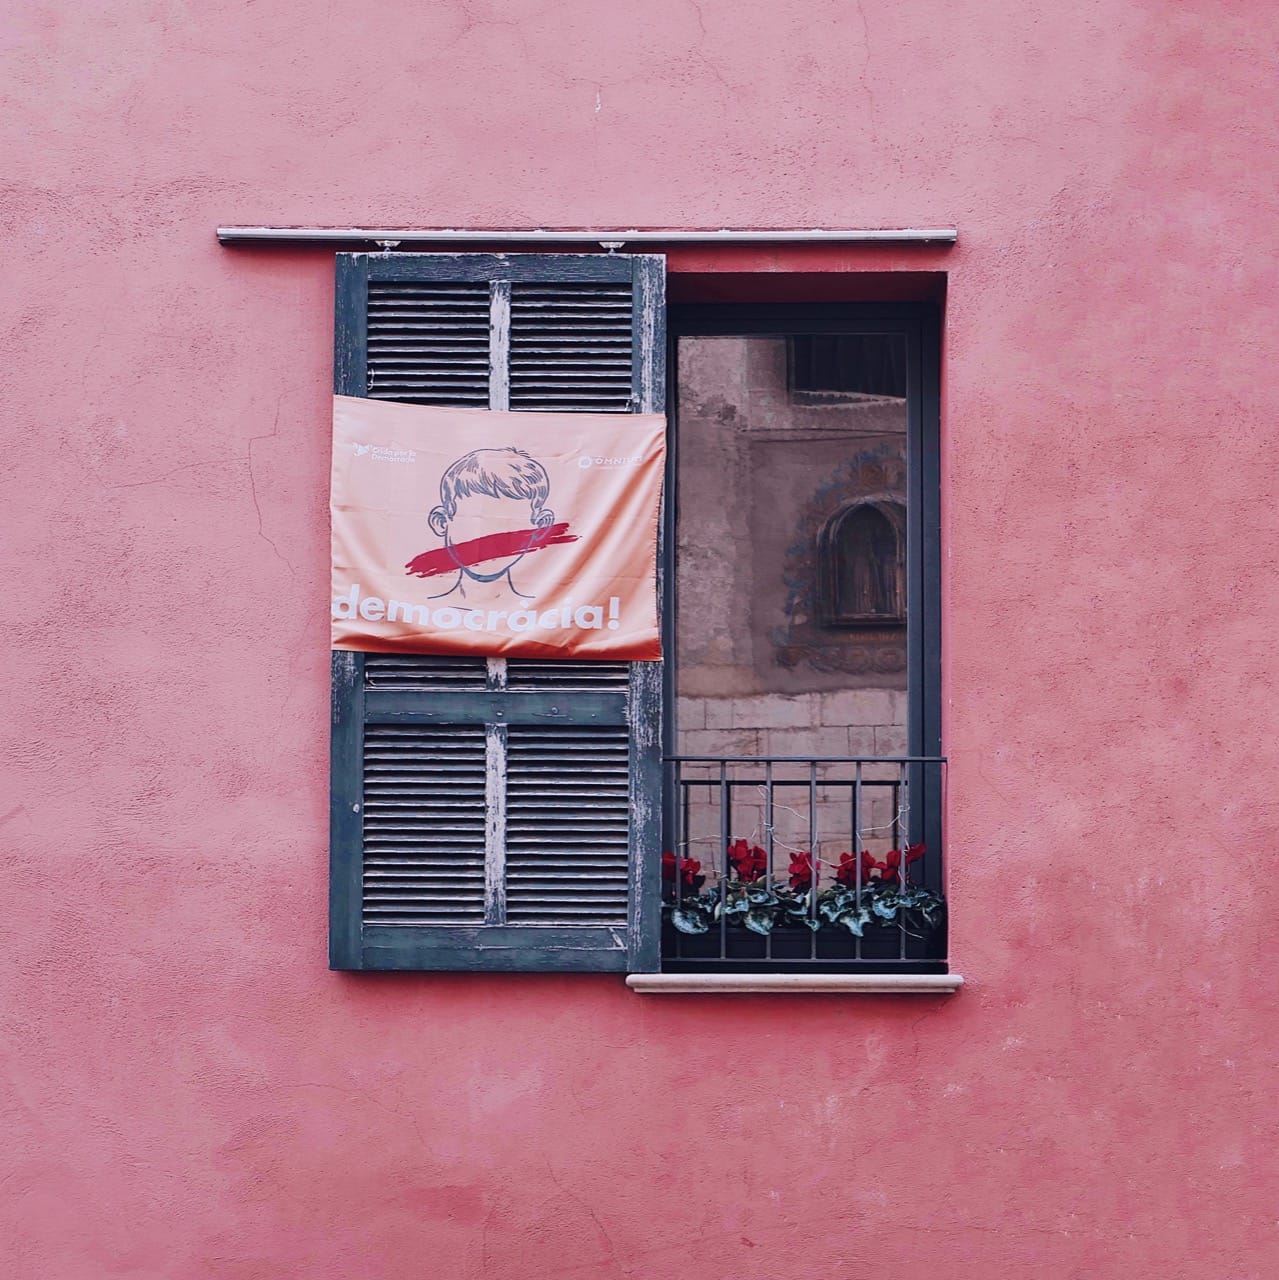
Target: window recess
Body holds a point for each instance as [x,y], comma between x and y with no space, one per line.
[804,774]
[544,816]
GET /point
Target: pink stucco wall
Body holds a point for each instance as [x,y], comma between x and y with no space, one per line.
[189,1093]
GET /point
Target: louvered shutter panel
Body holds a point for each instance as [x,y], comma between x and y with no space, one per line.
[500,813]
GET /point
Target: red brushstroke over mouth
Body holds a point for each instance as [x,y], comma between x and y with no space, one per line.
[493,546]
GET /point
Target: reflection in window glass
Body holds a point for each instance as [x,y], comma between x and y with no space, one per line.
[790,635]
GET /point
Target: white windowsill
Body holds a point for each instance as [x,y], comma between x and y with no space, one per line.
[660,984]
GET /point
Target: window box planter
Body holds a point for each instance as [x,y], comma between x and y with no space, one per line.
[870,913]
[880,944]
[739,944]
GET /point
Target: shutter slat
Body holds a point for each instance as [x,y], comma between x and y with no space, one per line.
[567,811]
[460,401]
[417,372]
[423,851]
[428,343]
[401,671]
[559,332]
[455,378]
[401,361]
[532,673]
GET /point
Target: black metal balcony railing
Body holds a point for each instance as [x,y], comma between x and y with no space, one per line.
[825,863]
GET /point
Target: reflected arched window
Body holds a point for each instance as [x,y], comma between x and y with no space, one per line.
[862,566]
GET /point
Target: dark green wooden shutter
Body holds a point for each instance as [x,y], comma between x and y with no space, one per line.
[499,814]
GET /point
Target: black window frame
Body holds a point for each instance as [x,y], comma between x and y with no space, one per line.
[919,323]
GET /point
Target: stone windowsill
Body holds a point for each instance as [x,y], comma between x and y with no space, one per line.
[935,984]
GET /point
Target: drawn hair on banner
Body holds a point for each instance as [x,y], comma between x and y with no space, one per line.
[506,490]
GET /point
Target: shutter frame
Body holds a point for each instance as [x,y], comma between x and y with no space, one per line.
[631,945]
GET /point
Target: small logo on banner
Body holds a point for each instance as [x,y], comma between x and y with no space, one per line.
[586,460]
[380,454]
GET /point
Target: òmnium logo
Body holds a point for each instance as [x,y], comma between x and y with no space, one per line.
[381,454]
[586,460]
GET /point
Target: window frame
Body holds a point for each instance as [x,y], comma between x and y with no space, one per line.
[920,324]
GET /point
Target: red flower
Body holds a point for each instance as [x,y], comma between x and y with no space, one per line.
[846,873]
[890,869]
[748,861]
[689,872]
[802,871]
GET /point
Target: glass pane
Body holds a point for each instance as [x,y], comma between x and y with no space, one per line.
[790,619]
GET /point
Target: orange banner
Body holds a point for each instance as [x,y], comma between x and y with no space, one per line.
[483,532]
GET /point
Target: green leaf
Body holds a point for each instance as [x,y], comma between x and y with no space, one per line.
[757,922]
[689,921]
[884,910]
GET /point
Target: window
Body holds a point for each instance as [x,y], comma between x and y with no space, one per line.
[861,565]
[512,814]
[803,789]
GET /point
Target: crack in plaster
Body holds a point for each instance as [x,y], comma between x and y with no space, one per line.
[253,486]
[590,1213]
[186,466]
[862,75]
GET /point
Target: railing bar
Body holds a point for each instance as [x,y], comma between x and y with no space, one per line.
[807,759]
[857,849]
[681,852]
[901,844]
[725,803]
[840,965]
[685,816]
[748,780]
[768,847]
[812,853]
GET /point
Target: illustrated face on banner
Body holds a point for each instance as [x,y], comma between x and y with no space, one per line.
[490,488]
[470,531]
